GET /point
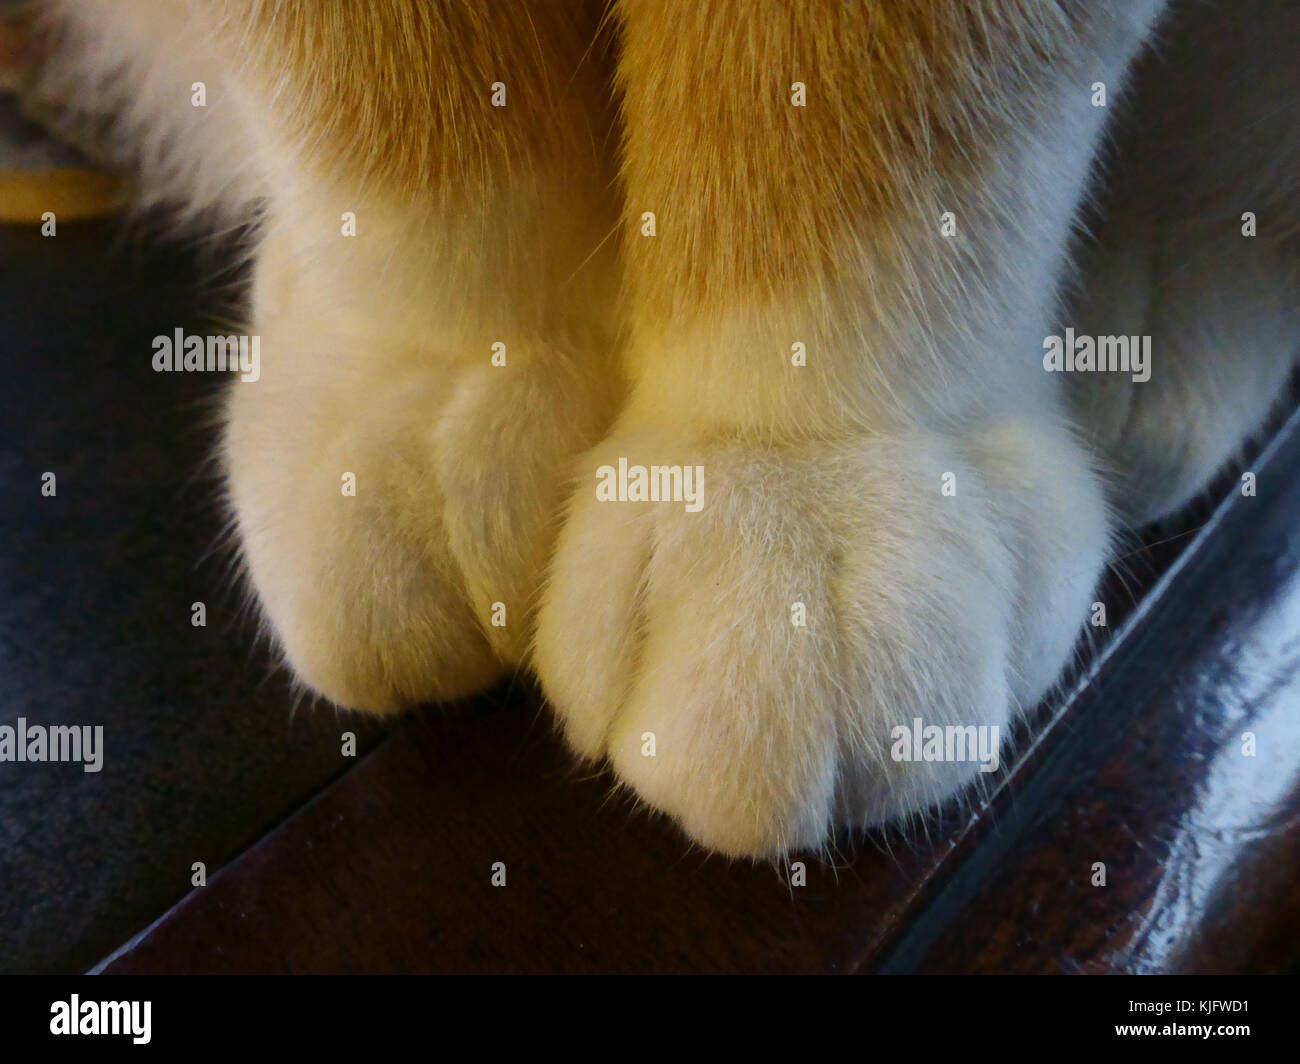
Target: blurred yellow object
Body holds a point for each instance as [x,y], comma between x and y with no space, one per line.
[39,177]
[71,194]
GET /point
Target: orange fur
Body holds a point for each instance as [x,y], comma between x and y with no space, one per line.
[756,197]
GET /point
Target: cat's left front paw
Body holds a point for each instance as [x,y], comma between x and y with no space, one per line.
[746,650]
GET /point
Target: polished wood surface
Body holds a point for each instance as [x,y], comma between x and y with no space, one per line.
[1177,769]
[1141,769]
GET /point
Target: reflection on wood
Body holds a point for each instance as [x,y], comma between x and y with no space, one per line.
[1144,771]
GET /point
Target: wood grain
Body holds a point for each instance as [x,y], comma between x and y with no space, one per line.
[390,869]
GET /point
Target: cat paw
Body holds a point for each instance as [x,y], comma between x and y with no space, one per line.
[396,521]
[745,660]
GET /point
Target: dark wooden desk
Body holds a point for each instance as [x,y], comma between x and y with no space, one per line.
[388,868]
[1141,770]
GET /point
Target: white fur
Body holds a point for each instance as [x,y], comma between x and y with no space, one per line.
[822,483]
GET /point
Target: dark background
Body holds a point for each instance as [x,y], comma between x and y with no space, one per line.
[96,586]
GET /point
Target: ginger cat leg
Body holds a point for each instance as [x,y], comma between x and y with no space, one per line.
[896,521]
